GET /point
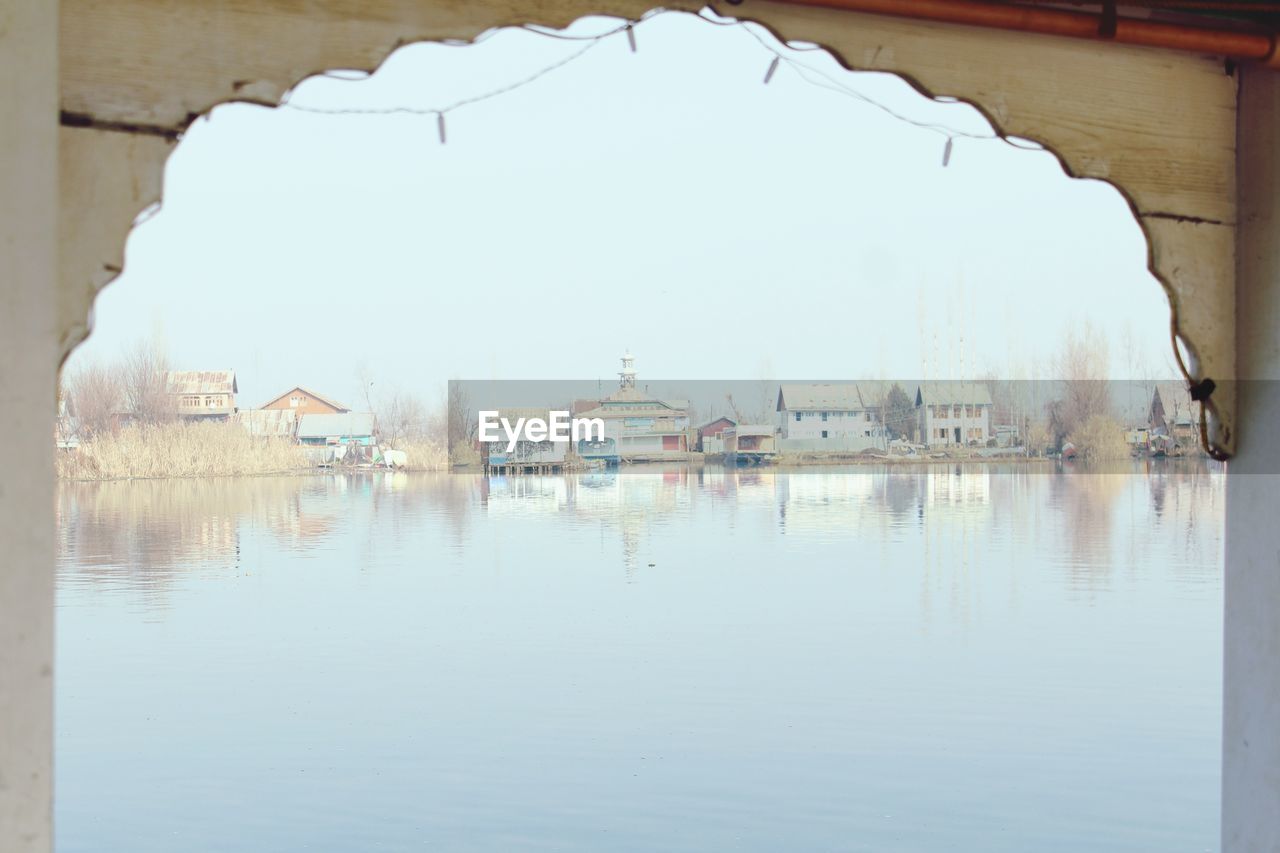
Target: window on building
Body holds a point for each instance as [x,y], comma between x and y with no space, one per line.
[968,411]
[956,410]
[824,417]
[797,416]
[824,433]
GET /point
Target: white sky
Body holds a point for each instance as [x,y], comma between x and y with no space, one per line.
[664,201]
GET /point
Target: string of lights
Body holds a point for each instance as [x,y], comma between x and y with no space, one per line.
[803,71]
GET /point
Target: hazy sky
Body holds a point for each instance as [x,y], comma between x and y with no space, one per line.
[665,201]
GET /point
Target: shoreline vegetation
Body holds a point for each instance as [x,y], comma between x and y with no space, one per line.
[204,449]
[178,450]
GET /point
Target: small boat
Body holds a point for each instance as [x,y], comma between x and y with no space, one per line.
[1069,452]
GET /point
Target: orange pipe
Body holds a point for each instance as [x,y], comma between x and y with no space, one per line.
[1257,47]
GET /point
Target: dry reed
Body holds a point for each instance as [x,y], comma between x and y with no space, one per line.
[202,449]
[424,455]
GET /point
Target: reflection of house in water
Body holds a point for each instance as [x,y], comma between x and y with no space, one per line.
[627,503]
[959,486]
[638,426]
[829,501]
[823,501]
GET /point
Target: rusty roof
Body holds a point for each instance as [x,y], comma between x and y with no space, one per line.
[276,422]
[202,382]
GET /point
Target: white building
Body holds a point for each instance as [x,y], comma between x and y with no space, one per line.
[953,414]
[638,425]
[829,411]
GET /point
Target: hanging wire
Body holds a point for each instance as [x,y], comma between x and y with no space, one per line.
[474,99]
[807,73]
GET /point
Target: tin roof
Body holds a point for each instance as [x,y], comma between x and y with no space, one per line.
[274,422]
[946,393]
[202,382]
[828,396]
[326,426]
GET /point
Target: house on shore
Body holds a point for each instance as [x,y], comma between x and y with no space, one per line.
[642,427]
[66,428]
[305,402]
[1173,415]
[545,454]
[953,414]
[830,416]
[202,394]
[750,444]
[711,435]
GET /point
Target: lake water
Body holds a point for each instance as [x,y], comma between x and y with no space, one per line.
[942,658]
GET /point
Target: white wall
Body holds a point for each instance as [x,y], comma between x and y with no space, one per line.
[981,420]
[837,424]
[1251,645]
[28,360]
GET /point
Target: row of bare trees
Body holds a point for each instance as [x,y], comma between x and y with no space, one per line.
[102,396]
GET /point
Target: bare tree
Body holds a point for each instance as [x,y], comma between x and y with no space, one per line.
[461,421]
[144,377]
[403,417]
[94,395]
[1081,365]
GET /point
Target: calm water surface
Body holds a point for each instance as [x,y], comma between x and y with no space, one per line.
[827,659]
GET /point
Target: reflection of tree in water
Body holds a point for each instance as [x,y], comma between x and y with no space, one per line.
[903,495]
[1187,499]
[144,534]
[1086,503]
[1182,497]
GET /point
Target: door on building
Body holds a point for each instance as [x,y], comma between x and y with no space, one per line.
[957,435]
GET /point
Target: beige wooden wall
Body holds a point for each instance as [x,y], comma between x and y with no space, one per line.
[129,75]
[1157,124]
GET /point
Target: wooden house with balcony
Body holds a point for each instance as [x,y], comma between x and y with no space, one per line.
[202,394]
